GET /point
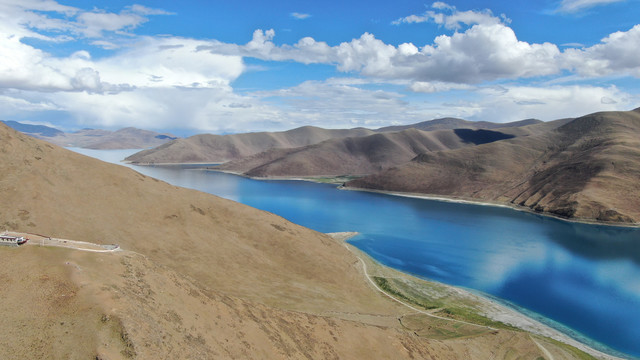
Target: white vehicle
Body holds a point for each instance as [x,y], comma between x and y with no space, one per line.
[12,240]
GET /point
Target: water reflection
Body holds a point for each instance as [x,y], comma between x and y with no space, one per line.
[597,242]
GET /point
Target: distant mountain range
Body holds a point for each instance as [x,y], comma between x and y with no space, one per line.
[584,168]
[207,148]
[587,168]
[455,123]
[357,155]
[126,138]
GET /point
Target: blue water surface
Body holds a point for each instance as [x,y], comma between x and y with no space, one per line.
[586,277]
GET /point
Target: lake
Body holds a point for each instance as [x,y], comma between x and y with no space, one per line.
[585,278]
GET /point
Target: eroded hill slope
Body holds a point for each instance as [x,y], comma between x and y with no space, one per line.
[585,169]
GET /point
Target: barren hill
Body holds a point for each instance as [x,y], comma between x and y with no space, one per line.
[200,277]
[357,155]
[38,131]
[587,169]
[126,138]
[455,123]
[207,148]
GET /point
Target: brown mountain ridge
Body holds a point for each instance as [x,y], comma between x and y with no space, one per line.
[586,169]
[199,277]
[357,155]
[207,148]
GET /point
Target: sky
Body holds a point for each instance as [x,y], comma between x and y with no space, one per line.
[196,66]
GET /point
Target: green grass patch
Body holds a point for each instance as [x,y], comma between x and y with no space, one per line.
[460,313]
[334,179]
[385,285]
[579,354]
[450,308]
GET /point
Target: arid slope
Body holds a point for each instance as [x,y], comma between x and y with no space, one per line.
[585,169]
[357,155]
[209,148]
[223,244]
[199,278]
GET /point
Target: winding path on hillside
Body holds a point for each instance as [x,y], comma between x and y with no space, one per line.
[41,240]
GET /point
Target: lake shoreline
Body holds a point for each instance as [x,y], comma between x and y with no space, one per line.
[540,218]
[494,204]
[441,198]
[494,309]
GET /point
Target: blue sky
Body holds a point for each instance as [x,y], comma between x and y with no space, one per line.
[222,66]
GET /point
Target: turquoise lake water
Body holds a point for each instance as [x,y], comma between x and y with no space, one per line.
[585,277]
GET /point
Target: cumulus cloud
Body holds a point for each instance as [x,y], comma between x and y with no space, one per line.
[158,82]
[306,50]
[571,6]
[615,54]
[484,52]
[27,17]
[481,53]
[174,61]
[451,18]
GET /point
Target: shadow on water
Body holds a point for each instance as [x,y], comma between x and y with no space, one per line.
[596,241]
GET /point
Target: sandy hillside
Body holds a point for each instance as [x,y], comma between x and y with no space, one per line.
[199,278]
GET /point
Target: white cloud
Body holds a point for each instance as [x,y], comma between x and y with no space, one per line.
[339,102]
[502,104]
[107,45]
[13,104]
[169,62]
[261,46]
[483,52]
[300,16]
[442,5]
[451,18]
[164,82]
[174,61]
[436,86]
[615,54]
[93,24]
[38,5]
[204,109]
[570,6]
[26,17]
[143,10]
